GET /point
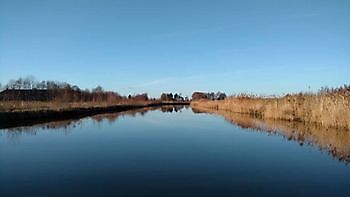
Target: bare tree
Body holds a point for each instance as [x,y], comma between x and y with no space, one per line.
[28,82]
[11,84]
[41,85]
[98,89]
[28,88]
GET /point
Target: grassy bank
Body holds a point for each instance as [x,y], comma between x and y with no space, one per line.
[330,109]
[22,106]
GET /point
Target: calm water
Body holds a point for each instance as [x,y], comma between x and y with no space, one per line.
[178,153]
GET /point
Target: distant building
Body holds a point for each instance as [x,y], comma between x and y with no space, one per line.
[140,97]
[199,95]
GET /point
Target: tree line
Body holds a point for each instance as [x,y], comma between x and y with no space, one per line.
[173,97]
[208,96]
[29,89]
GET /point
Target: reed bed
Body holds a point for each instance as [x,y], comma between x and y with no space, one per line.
[327,108]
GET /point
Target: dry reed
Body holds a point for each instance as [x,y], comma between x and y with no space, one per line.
[329,108]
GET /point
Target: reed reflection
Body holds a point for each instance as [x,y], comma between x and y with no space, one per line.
[335,142]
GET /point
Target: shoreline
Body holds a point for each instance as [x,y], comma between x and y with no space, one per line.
[325,112]
[28,118]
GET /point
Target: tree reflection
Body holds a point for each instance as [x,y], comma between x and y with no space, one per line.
[66,125]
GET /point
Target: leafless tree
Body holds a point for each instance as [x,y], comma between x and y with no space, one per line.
[98,89]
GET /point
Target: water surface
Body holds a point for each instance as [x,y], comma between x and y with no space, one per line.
[172,152]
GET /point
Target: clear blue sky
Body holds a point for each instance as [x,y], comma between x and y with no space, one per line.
[269,47]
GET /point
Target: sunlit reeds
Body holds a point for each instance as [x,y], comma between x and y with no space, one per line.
[328,107]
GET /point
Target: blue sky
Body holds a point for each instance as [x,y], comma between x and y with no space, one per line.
[265,47]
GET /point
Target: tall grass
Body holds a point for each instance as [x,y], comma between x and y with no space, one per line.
[328,107]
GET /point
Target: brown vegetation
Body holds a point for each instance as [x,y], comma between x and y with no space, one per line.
[28,89]
[27,94]
[27,101]
[328,108]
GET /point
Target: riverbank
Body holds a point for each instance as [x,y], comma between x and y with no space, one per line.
[331,110]
[44,111]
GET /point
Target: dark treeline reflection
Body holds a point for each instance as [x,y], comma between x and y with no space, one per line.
[66,125]
[176,108]
[335,142]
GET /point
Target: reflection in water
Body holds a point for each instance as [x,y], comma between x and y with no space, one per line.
[66,125]
[162,153]
[335,142]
